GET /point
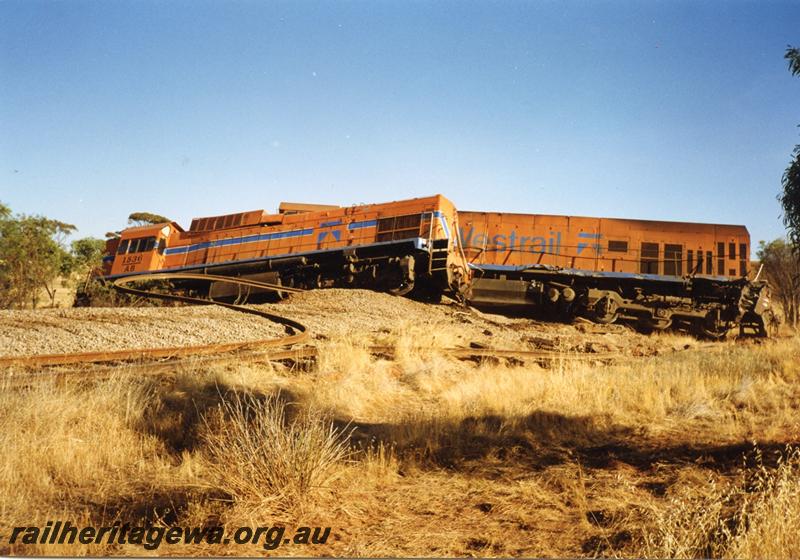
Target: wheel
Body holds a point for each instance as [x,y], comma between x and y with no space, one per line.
[605,311]
[402,290]
[660,324]
[715,334]
[710,327]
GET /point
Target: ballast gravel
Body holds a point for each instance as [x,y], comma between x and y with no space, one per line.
[359,315]
[87,329]
[375,317]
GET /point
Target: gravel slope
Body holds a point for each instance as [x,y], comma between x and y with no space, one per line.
[374,318]
[50,331]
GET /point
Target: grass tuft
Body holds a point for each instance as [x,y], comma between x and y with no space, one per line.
[259,456]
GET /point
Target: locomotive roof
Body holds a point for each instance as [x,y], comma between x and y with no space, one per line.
[149,228]
[568,216]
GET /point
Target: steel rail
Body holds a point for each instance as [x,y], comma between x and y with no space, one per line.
[99,372]
[298,331]
[151,368]
[252,350]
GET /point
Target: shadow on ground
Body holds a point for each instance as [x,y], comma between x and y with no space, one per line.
[178,413]
[544,439]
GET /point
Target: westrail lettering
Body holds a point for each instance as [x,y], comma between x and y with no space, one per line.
[550,244]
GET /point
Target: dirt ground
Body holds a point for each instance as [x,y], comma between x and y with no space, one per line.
[678,449]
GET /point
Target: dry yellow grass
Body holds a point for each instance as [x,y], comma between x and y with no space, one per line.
[688,454]
[755,515]
[261,458]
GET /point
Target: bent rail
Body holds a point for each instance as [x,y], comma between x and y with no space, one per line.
[298,331]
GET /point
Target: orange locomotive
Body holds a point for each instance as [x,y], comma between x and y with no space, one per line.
[605,244]
[654,274]
[397,247]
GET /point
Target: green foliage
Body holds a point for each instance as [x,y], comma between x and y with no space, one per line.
[85,255]
[146,218]
[790,197]
[32,255]
[793,56]
[88,252]
[782,268]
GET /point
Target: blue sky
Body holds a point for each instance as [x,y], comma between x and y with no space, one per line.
[661,110]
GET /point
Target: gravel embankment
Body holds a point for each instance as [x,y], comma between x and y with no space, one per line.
[51,331]
[362,314]
[359,315]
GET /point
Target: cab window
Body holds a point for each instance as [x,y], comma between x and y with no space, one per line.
[134,246]
[148,244]
[138,245]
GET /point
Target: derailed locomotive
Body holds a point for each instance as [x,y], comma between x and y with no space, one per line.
[398,247]
[653,274]
[554,265]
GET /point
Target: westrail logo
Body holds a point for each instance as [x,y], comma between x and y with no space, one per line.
[550,244]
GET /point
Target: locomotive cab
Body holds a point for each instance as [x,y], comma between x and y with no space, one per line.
[141,249]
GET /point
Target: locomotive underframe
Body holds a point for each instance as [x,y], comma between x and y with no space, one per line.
[705,305]
[709,306]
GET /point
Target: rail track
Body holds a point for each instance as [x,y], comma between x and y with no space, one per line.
[93,371]
[296,331]
[149,361]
